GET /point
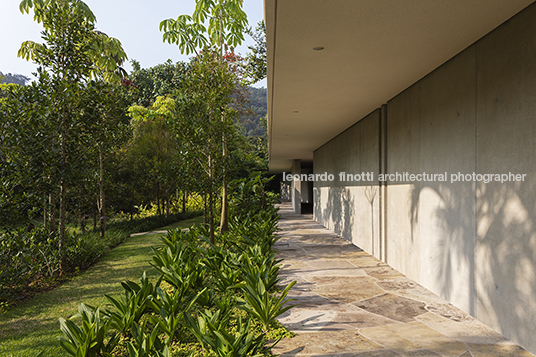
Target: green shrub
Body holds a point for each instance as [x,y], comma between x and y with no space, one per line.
[91,339]
[222,295]
[248,196]
[25,256]
[84,249]
[29,259]
[145,224]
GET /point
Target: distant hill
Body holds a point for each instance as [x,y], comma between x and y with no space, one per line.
[258,104]
[14,78]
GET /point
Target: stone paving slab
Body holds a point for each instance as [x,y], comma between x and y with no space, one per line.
[352,304]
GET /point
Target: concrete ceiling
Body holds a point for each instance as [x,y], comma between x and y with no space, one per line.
[373,50]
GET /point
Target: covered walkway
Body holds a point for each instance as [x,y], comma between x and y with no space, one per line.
[352,304]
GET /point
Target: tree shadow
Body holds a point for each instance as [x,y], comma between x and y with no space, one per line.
[484,243]
[338,212]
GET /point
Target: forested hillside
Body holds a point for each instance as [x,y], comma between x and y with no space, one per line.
[13,78]
[252,122]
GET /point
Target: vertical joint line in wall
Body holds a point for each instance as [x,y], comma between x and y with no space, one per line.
[383,184]
[380,193]
[380,171]
[472,304]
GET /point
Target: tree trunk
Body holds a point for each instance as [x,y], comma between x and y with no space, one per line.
[94,220]
[158,210]
[211,199]
[102,203]
[167,206]
[184,196]
[83,223]
[205,209]
[224,223]
[45,212]
[62,248]
[52,213]
[211,213]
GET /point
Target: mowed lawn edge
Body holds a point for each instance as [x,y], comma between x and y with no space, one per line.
[33,326]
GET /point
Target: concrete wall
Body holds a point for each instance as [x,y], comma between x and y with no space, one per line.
[351,208]
[473,243]
[431,129]
[505,252]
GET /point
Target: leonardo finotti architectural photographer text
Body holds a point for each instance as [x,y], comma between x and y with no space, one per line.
[406,176]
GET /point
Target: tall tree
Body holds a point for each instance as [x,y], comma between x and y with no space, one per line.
[160,80]
[157,147]
[106,106]
[256,58]
[205,116]
[25,156]
[73,52]
[215,25]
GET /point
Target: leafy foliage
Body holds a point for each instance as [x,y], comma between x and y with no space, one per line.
[73,52]
[89,340]
[258,302]
[29,260]
[253,120]
[203,117]
[73,49]
[256,59]
[213,23]
[161,80]
[223,296]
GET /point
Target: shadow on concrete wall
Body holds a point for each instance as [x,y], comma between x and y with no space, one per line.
[339,210]
[506,256]
[496,239]
[453,227]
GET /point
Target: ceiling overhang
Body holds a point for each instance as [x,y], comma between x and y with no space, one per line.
[373,50]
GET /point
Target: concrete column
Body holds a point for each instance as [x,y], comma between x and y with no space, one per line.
[296,187]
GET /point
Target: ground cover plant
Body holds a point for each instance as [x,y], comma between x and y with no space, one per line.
[206,300]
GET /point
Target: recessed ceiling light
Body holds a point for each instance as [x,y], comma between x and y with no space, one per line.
[318,48]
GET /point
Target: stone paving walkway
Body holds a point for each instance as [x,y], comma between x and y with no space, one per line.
[352,304]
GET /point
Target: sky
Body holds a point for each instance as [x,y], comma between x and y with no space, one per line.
[134,22]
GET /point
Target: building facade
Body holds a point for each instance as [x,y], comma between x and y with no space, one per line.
[434,169]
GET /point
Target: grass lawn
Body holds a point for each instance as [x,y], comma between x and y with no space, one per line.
[196,220]
[29,328]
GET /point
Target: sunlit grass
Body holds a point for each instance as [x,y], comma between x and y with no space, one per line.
[196,220]
[29,328]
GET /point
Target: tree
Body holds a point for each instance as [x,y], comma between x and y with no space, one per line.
[73,52]
[226,23]
[25,155]
[107,107]
[152,87]
[156,147]
[160,80]
[205,115]
[256,59]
